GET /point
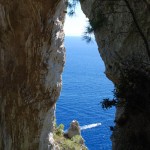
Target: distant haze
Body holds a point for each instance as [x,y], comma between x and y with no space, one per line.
[75,25]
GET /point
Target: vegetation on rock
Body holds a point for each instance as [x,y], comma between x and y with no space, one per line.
[132,94]
[132,90]
[65,143]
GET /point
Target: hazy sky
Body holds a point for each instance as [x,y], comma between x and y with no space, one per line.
[75,26]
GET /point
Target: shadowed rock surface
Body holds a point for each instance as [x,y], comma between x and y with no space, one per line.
[32,57]
[122,32]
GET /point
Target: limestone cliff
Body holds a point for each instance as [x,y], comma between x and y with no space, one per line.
[32,57]
[122,31]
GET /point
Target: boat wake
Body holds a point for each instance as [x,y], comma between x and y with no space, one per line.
[90,126]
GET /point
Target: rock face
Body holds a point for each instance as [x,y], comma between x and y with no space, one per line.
[117,35]
[122,32]
[32,57]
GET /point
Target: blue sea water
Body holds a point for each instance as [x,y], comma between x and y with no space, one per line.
[84,87]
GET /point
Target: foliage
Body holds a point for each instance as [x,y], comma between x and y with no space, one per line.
[107,103]
[134,87]
[87,36]
[69,144]
[94,24]
[132,92]
[77,139]
[59,130]
[72,6]
[76,143]
[98,20]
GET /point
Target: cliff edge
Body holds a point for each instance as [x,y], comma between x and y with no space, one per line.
[122,32]
[32,57]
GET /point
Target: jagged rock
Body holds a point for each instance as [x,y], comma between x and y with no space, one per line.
[74,129]
[116,34]
[52,144]
[122,33]
[32,57]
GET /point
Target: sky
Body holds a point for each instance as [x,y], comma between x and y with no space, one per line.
[75,25]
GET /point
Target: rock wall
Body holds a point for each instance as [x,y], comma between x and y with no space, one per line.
[32,57]
[122,31]
[116,35]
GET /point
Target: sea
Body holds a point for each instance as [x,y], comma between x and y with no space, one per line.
[85,85]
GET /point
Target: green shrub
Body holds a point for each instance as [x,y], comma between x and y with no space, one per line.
[132,92]
[77,139]
[60,130]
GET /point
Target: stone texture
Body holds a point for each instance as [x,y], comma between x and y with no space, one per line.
[32,57]
[52,144]
[74,129]
[117,36]
[118,40]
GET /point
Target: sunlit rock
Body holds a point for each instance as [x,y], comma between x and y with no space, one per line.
[74,129]
[32,57]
